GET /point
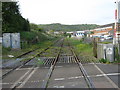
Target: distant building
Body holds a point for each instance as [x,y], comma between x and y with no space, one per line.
[77,34]
[56,32]
[107,29]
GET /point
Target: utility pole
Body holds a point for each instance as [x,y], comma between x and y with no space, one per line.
[116,21]
[0,18]
[116,39]
[118,28]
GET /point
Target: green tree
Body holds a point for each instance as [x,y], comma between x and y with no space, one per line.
[92,32]
[33,26]
[51,31]
[12,19]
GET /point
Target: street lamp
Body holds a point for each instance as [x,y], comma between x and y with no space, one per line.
[116,28]
[116,21]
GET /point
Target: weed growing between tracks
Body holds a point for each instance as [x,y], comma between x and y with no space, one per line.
[108,62]
[104,60]
[39,62]
[50,52]
[8,51]
[84,50]
[81,47]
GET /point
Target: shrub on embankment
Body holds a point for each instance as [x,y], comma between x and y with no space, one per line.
[34,37]
[82,47]
[29,42]
[84,50]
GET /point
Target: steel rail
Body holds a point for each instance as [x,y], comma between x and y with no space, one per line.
[84,72]
[46,81]
[17,67]
[25,62]
[19,85]
[34,50]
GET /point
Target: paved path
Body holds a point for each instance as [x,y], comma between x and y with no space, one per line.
[65,76]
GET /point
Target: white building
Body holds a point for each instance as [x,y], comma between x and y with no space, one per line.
[80,33]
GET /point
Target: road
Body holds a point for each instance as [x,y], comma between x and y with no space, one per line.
[65,76]
[62,69]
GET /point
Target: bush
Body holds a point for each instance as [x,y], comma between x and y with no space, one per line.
[103,60]
[5,50]
[84,48]
[116,54]
[27,35]
[33,37]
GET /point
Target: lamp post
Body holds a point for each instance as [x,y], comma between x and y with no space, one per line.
[116,38]
[116,21]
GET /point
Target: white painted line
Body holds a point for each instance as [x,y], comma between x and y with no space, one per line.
[115,86]
[71,77]
[58,86]
[109,74]
[75,77]
[34,81]
[20,78]
[61,86]
[79,77]
[22,68]
[98,75]
[113,74]
[28,78]
[59,79]
[5,83]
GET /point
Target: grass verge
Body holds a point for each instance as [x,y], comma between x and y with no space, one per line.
[42,45]
[85,51]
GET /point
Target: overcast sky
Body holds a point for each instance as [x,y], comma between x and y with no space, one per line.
[68,11]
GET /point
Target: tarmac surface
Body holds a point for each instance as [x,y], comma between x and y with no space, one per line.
[64,76]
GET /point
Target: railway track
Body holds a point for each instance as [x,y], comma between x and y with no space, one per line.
[27,54]
[63,57]
[24,77]
[56,67]
[23,63]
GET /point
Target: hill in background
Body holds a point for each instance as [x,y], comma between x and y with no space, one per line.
[62,27]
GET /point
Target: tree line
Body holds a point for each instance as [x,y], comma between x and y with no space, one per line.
[62,27]
[12,21]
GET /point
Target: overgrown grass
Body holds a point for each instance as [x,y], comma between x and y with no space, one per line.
[83,50]
[5,50]
[42,45]
[117,57]
[81,47]
[34,35]
[105,42]
[29,41]
[116,62]
[104,61]
[39,62]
